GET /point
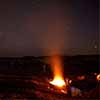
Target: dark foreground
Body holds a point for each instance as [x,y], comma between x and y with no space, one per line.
[37,89]
[26,78]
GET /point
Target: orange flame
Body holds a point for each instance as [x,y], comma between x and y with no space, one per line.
[56,64]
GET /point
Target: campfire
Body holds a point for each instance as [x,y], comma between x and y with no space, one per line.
[58,79]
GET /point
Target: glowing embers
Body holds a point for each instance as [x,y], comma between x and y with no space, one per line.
[98,77]
[58,81]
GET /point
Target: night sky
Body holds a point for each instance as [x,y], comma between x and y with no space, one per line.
[42,27]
